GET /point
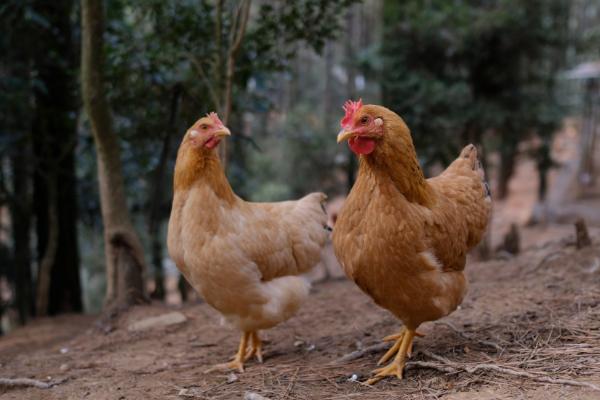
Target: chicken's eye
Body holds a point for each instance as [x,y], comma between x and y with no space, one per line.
[364,120]
[204,127]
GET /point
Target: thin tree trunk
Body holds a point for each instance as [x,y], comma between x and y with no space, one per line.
[589,133]
[125,263]
[156,199]
[350,87]
[47,261]
[21,225]
[507,166]
[54,133]
[237,35]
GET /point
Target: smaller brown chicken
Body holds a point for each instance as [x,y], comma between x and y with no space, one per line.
[244,258]
[401,238]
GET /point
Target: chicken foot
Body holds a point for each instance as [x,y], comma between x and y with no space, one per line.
[402,347]
[239,358]
[255,347]
[397,338]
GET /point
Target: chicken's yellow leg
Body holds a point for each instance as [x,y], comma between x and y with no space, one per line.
[238,360]
[401,347]
[255,347]
[397,338]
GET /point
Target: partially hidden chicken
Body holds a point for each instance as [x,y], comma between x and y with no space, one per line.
[401,238]
[243,258]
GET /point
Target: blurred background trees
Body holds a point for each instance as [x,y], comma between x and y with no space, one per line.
[488,72]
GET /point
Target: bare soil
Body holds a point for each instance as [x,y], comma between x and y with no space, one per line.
[528,329]
[537,313]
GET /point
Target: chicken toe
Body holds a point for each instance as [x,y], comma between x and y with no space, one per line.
[396,367]
[238,360]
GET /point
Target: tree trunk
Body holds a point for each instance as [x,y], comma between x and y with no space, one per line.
[238,31]
[507,167]
[123,251]
[350,87]
[54,137]
[21,225]
[156,199]
[51,245]
[589,133]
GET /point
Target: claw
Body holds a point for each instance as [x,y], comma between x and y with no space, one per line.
[235,364]
[238,360]
[402,348]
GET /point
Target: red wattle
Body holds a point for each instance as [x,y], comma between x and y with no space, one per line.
[362,145]
[212,142]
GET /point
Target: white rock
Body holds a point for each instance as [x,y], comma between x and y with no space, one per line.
[254,396]
[232,378]
[167,319]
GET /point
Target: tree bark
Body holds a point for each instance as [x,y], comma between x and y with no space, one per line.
[21,226]
[45,269]
[238,31]
[54,137]
[156,200]
[507,167]
[350,87]
[124,259]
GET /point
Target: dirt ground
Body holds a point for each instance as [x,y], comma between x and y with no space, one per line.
[529,328]
[538,314]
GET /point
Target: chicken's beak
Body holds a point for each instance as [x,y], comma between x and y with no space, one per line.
[222,132]
[344,135]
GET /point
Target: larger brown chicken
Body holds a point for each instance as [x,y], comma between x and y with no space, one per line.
[242,257]
[401,238]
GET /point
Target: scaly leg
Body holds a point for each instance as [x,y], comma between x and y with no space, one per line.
[401,348]
[255,347]
[397,338]
[238,360]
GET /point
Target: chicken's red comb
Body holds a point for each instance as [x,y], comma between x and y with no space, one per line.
[214,118]
[350,107]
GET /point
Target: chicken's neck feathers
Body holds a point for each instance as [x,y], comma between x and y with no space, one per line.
[399,166]
[201,168]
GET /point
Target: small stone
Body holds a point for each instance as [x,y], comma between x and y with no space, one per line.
[298,343]
[311,347]
[254,396]
[232,378]
[163,320]
[353,378]
[64,350]
[64,367]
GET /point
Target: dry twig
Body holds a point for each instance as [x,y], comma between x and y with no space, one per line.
[469,337]
[362,352]
[452,367]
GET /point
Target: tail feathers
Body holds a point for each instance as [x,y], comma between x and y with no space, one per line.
[470,153]
[319,197]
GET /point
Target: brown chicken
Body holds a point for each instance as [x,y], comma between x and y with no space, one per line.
[242,257]
[401,238]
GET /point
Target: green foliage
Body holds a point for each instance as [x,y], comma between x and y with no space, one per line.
[455,70]
[154,46]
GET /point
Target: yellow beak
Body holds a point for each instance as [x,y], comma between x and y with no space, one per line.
[222,132]
[344,135]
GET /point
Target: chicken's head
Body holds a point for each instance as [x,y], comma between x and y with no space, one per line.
[368,127]
[207,132]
